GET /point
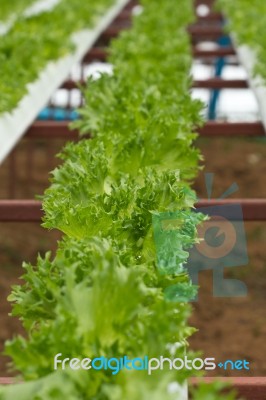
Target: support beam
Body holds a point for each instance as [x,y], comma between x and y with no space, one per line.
[219,83]
[100,53]
[96,53]
[60,130]
[20,211]
[253,209]
[219,52]
[205,32]
[212,16]
[51,130]
[232,129]
[205,29]
[196,31]
[31,210]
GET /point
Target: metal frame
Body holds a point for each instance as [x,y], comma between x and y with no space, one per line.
[31,210]
[60,130]
[100,53]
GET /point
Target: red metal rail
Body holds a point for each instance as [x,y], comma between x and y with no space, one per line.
[197,32]
[60,130]
[100,53]
[20,211]
[233,129]
[213,83]
[218,83]
[51,130]
[219,52]
[212,16]
[31,210]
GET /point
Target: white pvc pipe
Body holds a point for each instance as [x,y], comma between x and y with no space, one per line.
[248,59]
[40,7]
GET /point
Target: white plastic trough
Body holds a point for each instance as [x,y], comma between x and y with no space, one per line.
[13,125]
[247,57]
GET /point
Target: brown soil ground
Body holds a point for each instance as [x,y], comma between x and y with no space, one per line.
[228,328]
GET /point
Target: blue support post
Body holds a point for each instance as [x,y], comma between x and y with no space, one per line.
[219,66]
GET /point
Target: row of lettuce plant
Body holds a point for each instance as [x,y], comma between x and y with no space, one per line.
[34,41]
[13,8]
[247,20]
[102,294]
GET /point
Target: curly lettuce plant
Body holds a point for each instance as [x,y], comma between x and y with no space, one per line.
[13,8]
[248,22]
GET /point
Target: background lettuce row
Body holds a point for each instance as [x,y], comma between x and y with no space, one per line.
[249,24]
[102,294]
[15,7]
[32,42]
